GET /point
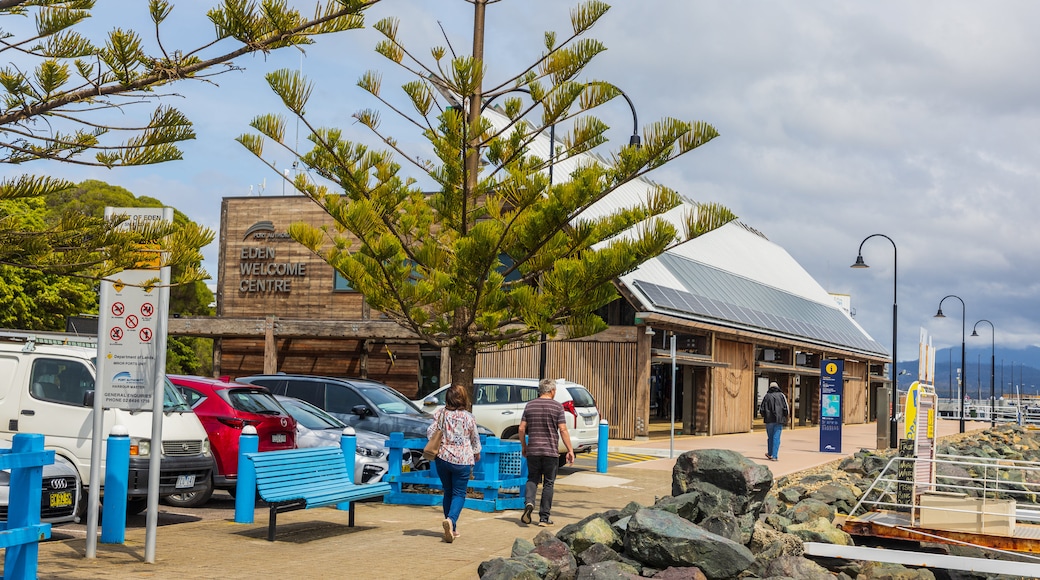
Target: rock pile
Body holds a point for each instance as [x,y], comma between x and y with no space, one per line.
[726,519]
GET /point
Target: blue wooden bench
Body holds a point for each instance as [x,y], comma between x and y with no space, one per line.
[308,478]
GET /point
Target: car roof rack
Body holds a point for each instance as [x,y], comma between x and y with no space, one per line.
[32,338]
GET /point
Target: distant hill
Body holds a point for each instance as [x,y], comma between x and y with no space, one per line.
[1026,371]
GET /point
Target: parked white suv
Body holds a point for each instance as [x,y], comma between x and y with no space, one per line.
[499,404]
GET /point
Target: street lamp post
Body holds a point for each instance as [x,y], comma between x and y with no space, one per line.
[992,370]
[940,314]
[893,429]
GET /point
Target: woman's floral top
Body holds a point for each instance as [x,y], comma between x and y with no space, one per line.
[460,441]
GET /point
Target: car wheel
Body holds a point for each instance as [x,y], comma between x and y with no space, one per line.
[136,505]
[190,499]
[512,434]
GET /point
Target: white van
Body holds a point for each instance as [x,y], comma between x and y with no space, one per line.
[47,387]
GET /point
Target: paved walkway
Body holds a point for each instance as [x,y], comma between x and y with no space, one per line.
[403,542]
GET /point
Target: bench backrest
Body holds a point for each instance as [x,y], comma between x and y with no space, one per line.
[299,467]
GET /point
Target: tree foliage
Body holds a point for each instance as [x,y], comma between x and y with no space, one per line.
[68,98]
[498,251]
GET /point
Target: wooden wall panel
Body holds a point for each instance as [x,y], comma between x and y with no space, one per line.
[855,393]
[733,388]
[606,369]
[255,250]
[333,358]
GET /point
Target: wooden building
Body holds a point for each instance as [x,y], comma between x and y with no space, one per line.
[742,313]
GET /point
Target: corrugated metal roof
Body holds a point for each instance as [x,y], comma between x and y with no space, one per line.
[732,276]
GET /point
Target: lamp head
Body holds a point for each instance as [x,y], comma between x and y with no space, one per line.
[635,141]
[649,331]
[940,314]
[859,262]
[974,332]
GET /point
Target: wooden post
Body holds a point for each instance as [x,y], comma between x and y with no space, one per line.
[270,347]
[642,402]
[445,374]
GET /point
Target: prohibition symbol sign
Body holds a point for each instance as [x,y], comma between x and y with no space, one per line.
[116,333]
[145,334]
[147,309]
[132,321]
[118,308]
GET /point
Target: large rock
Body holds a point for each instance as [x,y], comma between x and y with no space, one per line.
[662,539]
[608,571]
[689,573]
[589,531]
[723,468]
[886,571]
[505,569]
[808,510]
[796,567]
[820,530]
[562,564]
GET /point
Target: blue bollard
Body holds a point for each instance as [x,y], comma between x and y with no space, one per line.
[601,448]
[245,488]
[348,444]
[20,560]
[117,481]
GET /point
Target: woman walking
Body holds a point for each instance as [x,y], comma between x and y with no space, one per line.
[460,449]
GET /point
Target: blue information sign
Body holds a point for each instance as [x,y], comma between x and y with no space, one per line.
[831,392]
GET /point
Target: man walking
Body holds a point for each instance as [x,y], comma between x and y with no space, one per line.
[541,427]
[774,412]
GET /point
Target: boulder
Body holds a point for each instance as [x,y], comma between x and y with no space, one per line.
[840,497]
[505,569]
[562,564]
[673,573]
[796,567]
[769,543]
[723,468]
[611,570]
[820,530]
[808,510]
[661,539]
[886,571]
[521,547]
[598,553]
[589,531]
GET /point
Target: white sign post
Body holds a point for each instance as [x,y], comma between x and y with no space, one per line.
[131,364]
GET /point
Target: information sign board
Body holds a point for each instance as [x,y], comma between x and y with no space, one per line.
[831,392]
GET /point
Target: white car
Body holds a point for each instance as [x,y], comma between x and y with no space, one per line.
[316,428]
[61,492]
[499,404]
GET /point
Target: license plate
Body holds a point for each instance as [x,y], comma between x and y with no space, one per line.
[184,481]
[590,420]
[61,499]
[277,437]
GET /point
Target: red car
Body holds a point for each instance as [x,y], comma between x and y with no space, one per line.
[225,407]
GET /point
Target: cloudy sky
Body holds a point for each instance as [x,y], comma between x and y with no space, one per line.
[838,120]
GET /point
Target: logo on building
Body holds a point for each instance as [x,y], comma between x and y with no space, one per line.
[264,230]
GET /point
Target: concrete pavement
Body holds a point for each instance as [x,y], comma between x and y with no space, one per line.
[403,542]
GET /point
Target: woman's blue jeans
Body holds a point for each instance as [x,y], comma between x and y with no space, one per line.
[454,480]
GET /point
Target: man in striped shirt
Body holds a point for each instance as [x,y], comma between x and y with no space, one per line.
[541,427]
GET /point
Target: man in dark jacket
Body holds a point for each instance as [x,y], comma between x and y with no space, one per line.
[774,412]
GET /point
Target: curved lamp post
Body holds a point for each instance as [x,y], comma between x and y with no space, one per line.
[893,430]
[940,314]
[992,369]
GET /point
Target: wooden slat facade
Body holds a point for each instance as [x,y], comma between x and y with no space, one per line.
[606,369]
[733,388]
[854,398]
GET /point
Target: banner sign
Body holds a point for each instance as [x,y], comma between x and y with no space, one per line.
[831,391]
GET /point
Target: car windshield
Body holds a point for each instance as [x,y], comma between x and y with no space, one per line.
[582,398]
[254,400]
[388,400]
[172,398]
[310,416]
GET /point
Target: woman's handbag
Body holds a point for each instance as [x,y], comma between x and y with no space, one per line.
[433,446]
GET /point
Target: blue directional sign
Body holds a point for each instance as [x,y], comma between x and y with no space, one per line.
[831,391]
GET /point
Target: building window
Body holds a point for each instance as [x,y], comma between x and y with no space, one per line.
[341,284]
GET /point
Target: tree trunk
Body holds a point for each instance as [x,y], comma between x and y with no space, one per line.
[463,363]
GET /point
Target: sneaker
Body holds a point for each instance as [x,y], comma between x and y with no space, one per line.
[769,457]
[774,459]
[526,518]
[449,534]
[545,522]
